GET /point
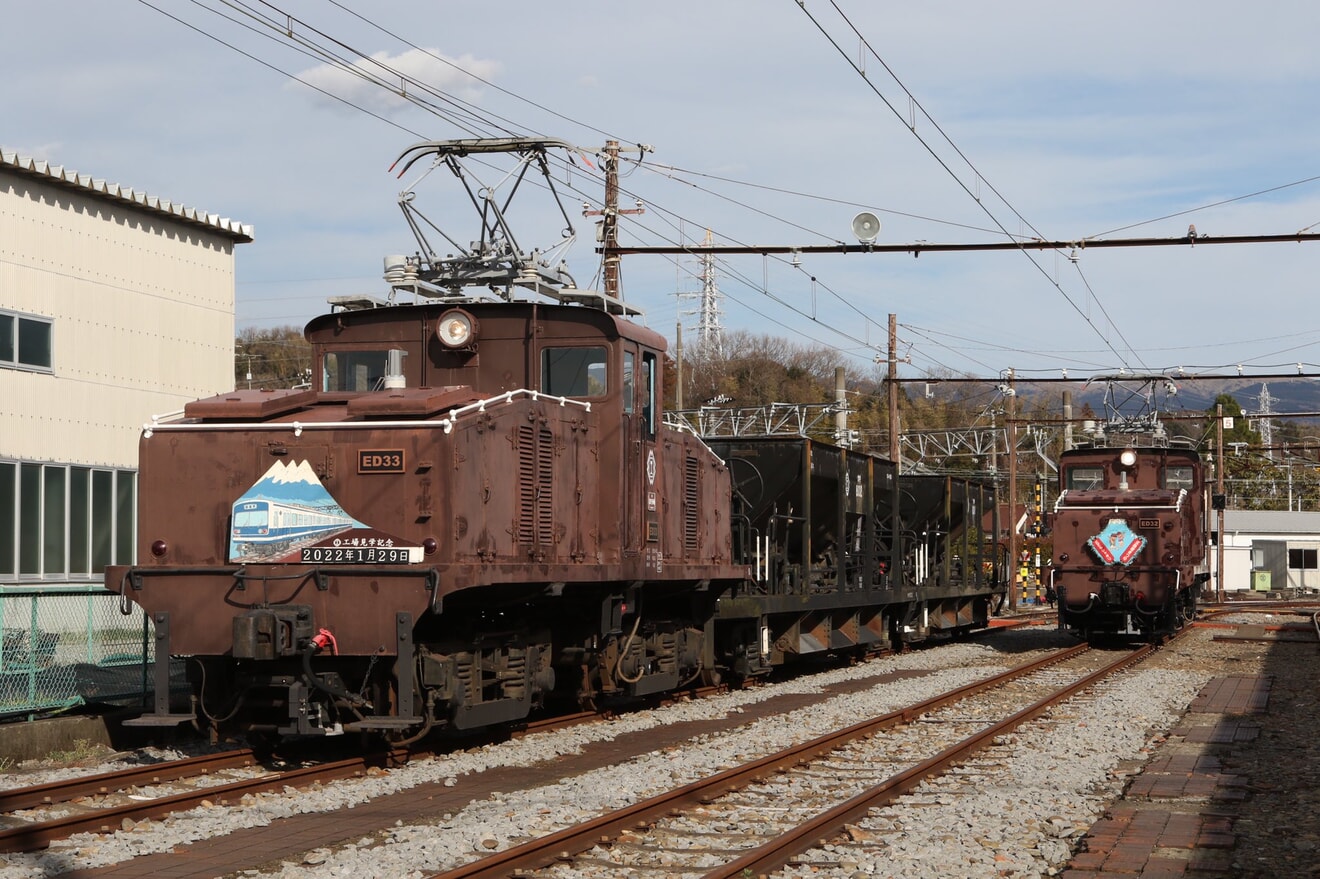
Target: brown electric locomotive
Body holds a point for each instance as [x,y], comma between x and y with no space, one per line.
[448,523]
[1129,536]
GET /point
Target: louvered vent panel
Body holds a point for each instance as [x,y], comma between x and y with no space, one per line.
[527,485]
[545,509]
[690,511]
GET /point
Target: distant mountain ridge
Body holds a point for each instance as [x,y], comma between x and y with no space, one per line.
[1288,396]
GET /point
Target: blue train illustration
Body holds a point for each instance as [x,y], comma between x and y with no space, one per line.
[286,510]
[271,523]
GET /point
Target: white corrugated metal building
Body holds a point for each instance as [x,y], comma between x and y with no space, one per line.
[1286,545]
[114,306]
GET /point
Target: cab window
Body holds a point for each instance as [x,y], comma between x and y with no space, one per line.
[1179,477]
[574,372]
[1085,478]
[353,370]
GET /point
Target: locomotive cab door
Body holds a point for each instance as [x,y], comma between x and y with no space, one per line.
[642,477]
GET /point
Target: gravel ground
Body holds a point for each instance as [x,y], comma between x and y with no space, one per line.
[485,825]
[1019,814]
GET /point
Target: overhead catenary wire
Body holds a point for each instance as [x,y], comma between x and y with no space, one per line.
[453,110]
[939,159]
[478,121]
[278,70]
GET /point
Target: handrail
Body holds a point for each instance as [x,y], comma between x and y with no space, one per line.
[447,423]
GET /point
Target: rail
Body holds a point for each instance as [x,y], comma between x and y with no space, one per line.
[537,853]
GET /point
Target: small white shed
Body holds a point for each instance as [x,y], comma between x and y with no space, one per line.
[1284,546]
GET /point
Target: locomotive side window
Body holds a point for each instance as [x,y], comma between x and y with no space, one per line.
[353,370]
[574,372]
[1086,478]
[628,365]
[646,391]
[1179,477]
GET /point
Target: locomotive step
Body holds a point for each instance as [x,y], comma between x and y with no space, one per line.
[380,721]
[159,720]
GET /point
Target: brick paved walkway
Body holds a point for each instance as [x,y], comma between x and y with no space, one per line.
[1176,818]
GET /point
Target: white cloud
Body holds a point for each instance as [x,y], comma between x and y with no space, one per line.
[360,86]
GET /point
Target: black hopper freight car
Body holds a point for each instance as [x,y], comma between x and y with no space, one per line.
[847,554]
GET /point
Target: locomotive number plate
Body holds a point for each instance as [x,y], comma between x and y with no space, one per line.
[1148,523]
[380,460]
[361,555]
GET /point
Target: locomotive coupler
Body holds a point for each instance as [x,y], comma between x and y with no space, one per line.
[272,632]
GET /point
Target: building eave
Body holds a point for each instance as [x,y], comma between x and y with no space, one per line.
[240,233]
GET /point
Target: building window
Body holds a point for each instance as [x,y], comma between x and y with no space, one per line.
[1302,559]
[59,522]
[8,518]
[26,342]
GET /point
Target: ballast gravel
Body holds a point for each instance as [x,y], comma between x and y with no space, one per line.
[1021,819]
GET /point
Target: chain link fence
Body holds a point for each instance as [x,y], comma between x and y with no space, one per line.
[69,645]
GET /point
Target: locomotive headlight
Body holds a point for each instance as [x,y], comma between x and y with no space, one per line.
[1127,458]
[456,329]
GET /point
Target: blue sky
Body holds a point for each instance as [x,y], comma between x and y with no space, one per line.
[1128,120]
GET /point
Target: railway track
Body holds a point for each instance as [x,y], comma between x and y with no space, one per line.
[101,784]
[101,803]
[769,810]
[445,812]
[104,803]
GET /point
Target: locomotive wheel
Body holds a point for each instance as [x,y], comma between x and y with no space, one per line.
[262,743]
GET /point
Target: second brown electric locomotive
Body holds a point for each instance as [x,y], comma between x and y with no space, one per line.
[1129,536]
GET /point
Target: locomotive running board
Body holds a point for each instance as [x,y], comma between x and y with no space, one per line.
[382,721]
[159,720]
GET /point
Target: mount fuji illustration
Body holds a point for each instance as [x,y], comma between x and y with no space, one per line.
[295,482]
[285,510]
